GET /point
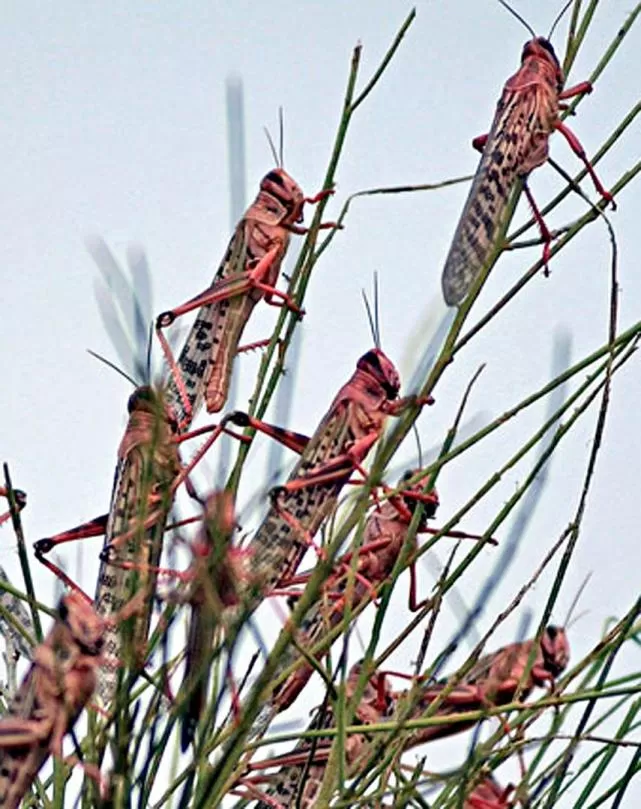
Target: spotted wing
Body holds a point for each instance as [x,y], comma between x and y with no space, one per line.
[516,132]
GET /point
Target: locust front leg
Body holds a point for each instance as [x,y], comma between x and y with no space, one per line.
[238,284]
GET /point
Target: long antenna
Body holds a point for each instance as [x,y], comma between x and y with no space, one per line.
[575,600]
[272,146]
[113,367]
[281,135]
[518,17]
[372,313]
[370,318]
[559,16]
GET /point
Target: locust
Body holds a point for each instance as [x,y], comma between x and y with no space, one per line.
[488,794]
[58,685]
[248,274]
[16,642]
[493,681]
[301,772]
[214,582]
[384,536]
[526,115]
[347,432]
[147,474]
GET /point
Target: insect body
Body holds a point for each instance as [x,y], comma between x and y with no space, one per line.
[215,577]
[494,680]
[148,465]
[384,536]
[350,428]
[16,642]
[287,788]
[248,273]
[526,115]
[56,688]
[488,794]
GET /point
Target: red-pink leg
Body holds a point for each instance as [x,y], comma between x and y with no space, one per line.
[327,192]
[458,535]
[294,441]
[20,499]
[582,88]
[546,236]
[64,578]
[254,346]
[579,151]
[302,231]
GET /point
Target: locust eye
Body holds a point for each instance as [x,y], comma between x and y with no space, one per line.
[545,43]
[275,177]
[552,632]
[370,361]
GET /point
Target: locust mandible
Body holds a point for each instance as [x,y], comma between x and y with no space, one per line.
[493,681]
[248,273]
[526,116]
[58,685]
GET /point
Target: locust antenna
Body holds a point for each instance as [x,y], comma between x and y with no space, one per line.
[149,346]
[418,445]
[518,17]
[372,314]
[113,366]
[377,318]
[271,146]
[559,17]
[575,601]
[281,136]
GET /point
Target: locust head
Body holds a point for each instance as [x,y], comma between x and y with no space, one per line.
[82,621]
[220,513]
[377,366]
[287,192]
[540,50]
[415,494]
[555,650]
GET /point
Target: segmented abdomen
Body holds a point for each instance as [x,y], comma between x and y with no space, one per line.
[517,140]
[277,548]
[147,470]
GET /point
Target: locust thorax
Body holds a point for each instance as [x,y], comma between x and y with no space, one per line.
[286,191]
[382,372]
[377,698]
[541,50]
[84,624]
[555,650]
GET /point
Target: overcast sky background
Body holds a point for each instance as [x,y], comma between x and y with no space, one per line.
[113,125]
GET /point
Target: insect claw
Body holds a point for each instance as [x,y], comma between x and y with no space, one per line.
[106,554]
[276,492]
[43,545]
[239,418]
[165,319]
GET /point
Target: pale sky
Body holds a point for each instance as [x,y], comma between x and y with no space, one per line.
[113,125]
